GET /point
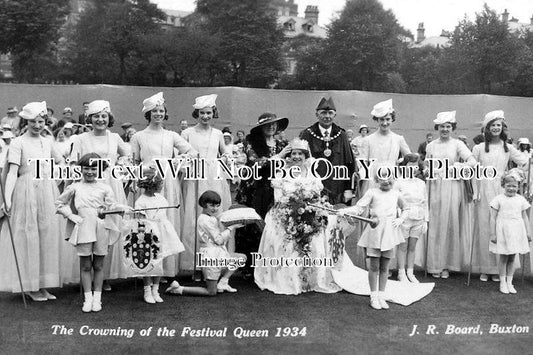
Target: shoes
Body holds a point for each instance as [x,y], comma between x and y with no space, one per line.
[436,275]
[37,296]
[87,306]
[484,277]
[148,297]
[402,277]
[504,288]
[411,277]
[48,295]
[224,286]
[383,303]
[163,280]
[106,286]
[374,302]
[97,306]
[155,294]
[173,287]
[445,274]
[511,288]
[495,278]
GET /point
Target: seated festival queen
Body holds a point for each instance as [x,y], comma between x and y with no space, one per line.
[294,232]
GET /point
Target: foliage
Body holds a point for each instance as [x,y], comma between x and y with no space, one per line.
[364,45]
[105,44]
[250,40]
[30,30]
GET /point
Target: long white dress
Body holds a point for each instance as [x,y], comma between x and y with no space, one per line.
[150,144]
[210,146]
[482,260]
[110,146]
[37,230]
[450,214]
[275,243]
[343,275]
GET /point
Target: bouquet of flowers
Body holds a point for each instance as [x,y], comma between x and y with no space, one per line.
[301,221]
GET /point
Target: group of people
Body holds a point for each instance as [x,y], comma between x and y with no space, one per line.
[476,226]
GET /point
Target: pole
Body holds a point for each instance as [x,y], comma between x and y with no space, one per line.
[12,241]
[427,232]
[196,193]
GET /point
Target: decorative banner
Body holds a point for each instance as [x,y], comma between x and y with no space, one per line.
[141,246]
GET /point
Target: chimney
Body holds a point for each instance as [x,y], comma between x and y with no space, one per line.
[311,13]
[420,33]
[505,16]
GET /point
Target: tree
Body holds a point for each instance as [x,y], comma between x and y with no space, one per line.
[484,53]
[105,44]
[365,45]
[250,39]
[30,30]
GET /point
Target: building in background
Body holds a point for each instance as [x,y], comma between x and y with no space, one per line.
[299,31]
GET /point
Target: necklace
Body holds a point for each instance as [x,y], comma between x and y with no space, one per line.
[327,139]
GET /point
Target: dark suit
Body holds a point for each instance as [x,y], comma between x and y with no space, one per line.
[341,154]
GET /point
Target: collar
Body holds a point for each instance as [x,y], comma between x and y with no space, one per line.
[323,130]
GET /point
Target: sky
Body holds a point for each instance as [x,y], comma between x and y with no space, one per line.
[435,14]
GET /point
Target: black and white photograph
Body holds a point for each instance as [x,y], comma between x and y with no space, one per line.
[266,176]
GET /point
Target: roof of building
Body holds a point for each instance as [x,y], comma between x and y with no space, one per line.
[300,26]
[515,26]
[174,16]
[435,41]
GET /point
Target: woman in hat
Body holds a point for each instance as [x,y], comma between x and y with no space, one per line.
[357,142]
[383,145]
[110,146]
[258,194]
[156,142]
[495,152]
[209,143]
[35,227]
[449,231]
[277,242]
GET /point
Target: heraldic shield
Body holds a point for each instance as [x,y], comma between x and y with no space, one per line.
[142,247]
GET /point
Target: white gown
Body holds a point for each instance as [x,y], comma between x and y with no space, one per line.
[343,275]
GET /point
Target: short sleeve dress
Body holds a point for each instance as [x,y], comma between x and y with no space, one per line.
[511,237]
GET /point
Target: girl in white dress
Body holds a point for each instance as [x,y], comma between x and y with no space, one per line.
[380,241]
[450,213]
[209,142]
[495,152]
[509,224]
[213,238]
[163,229]
[86,230]
[277,243]
[37,231]
[156,142]
[110,146]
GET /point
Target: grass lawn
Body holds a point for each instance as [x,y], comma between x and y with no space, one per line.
[340,323]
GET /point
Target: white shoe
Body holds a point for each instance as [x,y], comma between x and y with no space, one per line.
[97,306]
[504,288]
[484,277]
[495,278]
[87,305]
[436,275]
[412,278]
[383,303]
[511,288]
[48,295]
[445,274]
[148,297]
[224,286]
[375,303]
[173,286]
[402,277]
[155,294]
